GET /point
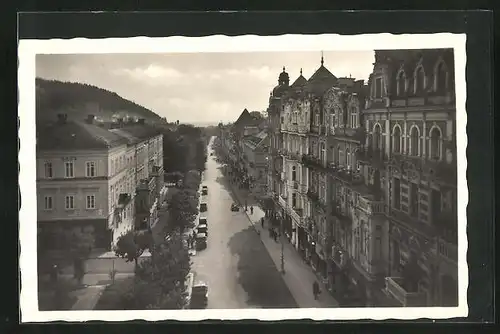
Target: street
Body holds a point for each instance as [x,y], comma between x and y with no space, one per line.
[236,265]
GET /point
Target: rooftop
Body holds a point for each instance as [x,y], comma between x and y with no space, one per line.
[75,135]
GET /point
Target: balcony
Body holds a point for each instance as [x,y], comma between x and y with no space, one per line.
[371,206]
[312,161]
[347,176]
[295,156]
[375,157]
[303,189]
[297,215]
[448,250]
[312,194]
[358,134]
[294,185]
[394,287]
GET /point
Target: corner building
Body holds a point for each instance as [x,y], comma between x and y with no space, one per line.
[409,157]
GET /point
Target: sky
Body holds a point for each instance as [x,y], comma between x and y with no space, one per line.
[198,87]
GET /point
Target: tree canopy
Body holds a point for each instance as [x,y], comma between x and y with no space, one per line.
[182,210]
[132,244]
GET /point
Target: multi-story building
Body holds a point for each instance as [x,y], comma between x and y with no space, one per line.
[87,176]
[275,160]
[255,150]
[409,161]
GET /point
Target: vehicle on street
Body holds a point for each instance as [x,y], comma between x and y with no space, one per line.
[203,220]
[203,207]
[204,190]
[235,207]
[202,228]
[201,241]
[199,296]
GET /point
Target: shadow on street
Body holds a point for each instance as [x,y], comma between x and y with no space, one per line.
[257,273]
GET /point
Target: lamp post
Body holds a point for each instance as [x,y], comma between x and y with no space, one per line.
[282,232]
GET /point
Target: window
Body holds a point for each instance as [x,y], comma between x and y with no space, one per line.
[419,80]
[377,137]
[414,141]
[69,202]
[378,88]
[348,155]
[323,153]
[441,78]
[294,173]
[69,169]
[435,146]
[401,83]
[378,248]
[414,200]
[90,202]
[48,203]
[396,141]
[397,194]
[90,170]
[294,200]
[48,170]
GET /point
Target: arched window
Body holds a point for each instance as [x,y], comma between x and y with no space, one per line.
[396,140]
[377,137]
[337,158]
[401,83]
[435,144]
[294,200]
[294,173]
[441,76]
[414,144]
[419,80]
[323,153]
[348,157]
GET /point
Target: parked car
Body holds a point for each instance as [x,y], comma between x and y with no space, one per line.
[201,241]
[203,220]
[204,190]
[235,207]
[202,228]
[199,296]
[203,207]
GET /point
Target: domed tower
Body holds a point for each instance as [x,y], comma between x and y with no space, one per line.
[283,84]
[284,79]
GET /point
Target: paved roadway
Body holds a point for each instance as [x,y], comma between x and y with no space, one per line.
[236,265]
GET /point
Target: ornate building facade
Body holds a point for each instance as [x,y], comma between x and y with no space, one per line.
[409,160]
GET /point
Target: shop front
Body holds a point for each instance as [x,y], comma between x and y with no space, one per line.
[303,242]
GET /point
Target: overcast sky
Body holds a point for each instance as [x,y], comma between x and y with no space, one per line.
[198,87]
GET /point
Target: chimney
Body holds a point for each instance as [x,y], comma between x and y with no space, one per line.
[62,118]
[90,119]
[141,121]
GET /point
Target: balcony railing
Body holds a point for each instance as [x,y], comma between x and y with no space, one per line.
[394,286]
[376,157]
[312,161]
[371,206]
[346,175]
[358,134]
[312,194]
[448,250]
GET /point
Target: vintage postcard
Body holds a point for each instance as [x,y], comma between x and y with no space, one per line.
[287,177]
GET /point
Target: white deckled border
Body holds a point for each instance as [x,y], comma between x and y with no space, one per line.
[248,43]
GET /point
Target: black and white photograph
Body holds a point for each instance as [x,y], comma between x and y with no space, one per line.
[248,177]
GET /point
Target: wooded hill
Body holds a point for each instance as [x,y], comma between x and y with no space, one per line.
[77,100]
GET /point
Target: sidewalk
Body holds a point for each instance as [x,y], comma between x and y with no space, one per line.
[298,276]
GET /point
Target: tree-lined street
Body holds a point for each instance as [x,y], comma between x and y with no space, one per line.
[236,265]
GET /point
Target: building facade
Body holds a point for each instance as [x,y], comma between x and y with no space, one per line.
[409,157]
[88,175]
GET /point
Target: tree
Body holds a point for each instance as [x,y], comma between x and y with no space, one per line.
[160,280]
[182,210]
[132,244]
[192,180]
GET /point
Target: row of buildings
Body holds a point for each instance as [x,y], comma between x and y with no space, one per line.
[92,175]
[246,142]
[362,177]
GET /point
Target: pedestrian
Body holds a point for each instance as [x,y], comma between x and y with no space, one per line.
[246,207]
[275,235]
[251,210]
[316,290]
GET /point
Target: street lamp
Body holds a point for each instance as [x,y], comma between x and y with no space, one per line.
[281,239]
